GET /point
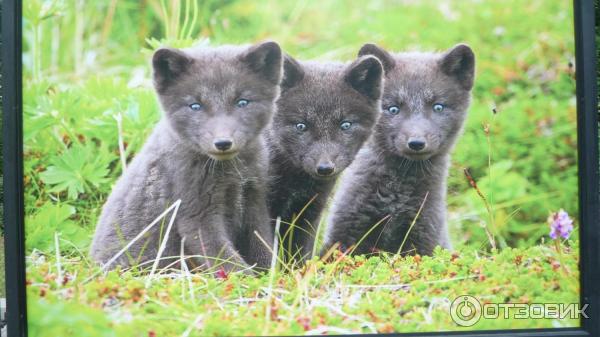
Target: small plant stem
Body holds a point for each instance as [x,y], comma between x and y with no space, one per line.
[163,6]
[316,241]
[176,15]
[35,51]
[387,217]
[78,38]
[105,267]
[55,48]
[58,264]
[122,242]
[413,223]
[272,273]
[186,18]
[163,244]
[72,136]
[473,184]
[185,271]
[194,18]
[289,234]
[271,250]
[108,21]
[190,328]
[490,192]
[560,256]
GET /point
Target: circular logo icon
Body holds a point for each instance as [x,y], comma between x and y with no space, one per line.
[465,310]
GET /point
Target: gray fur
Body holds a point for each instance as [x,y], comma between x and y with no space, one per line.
[388,181]
[222,192]
[322,96]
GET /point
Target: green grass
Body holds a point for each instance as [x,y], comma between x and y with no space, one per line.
[80,78]
[360,295]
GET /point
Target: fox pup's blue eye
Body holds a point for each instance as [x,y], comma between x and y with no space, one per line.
[301,127]
[242,103]
[195,106]
[437,107]
[394,110]
[345,125]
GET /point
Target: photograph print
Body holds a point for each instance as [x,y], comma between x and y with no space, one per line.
[272,168]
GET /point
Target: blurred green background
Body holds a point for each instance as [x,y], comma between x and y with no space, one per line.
[86,66]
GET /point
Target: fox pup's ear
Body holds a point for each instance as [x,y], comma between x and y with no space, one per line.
[365,75]
[384,57]
[292,72]
[168,64]
[265,59]
[459,62]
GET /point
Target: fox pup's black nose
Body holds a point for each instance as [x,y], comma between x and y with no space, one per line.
[325,169]
[223,144]
[416,145]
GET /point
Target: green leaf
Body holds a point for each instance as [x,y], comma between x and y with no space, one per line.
[77,170]
[54,218]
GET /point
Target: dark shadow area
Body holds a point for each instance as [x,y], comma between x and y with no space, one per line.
[2,284]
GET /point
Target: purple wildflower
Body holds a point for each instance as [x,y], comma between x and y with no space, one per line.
[560,224]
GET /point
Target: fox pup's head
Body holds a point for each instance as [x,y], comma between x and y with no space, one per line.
[425,100]
[218,99]
[326,111]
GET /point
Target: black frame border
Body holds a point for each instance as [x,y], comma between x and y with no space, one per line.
[12,152]
[588,161]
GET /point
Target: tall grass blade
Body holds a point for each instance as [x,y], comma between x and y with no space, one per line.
[163,244]
[140,234]
[413,223]
[272,273]
[58,263]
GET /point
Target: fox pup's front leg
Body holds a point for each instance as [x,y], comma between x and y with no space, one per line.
[256,220]
[209,244]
